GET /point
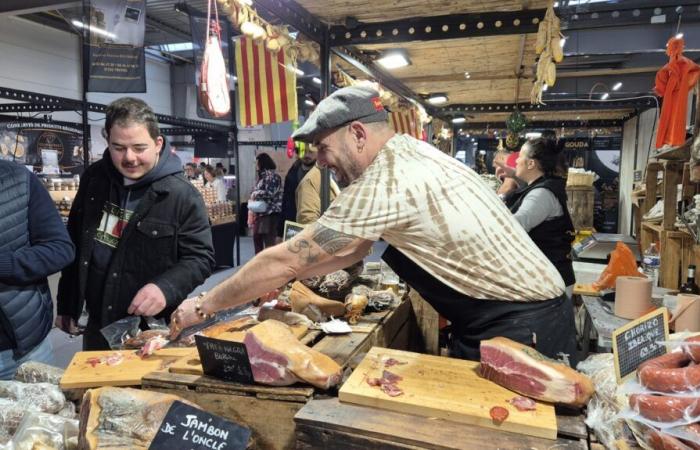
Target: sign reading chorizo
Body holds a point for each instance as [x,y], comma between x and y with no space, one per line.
[639,341]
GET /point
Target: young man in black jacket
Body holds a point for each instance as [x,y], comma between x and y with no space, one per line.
[33,245]
[141,230]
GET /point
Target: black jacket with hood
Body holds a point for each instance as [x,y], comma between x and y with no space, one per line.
[165,240]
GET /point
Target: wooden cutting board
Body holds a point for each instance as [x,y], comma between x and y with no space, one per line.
[190,363]
[446,388]
[586,289]
[81,374]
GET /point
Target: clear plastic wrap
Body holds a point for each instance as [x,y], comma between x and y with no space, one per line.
[603,408]
[11,414]
[39,430]
[37,372]
[43,397]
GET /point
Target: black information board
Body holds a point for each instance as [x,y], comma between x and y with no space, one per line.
[291,229]
[226,360]
[188,428]
[638,341]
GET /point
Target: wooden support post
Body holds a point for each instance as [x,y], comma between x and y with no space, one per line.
[672,177]
[652,176]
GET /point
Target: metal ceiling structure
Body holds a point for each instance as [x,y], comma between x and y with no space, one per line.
[607,42]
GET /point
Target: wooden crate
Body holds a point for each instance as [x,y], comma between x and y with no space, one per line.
[328,423]
[677,249]
[580,202]
[269,411]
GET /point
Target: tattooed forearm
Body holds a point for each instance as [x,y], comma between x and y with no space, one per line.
[331,241]
[302,247]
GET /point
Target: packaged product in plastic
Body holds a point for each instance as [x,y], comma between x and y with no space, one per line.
[622,263]
[11,414]
[42,397]
[37,372]
[40,430]
[603,408]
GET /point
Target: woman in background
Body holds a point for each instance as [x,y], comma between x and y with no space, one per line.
[216,182]
[540,204]
[269,190]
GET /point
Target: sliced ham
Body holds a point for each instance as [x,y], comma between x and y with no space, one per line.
[524,370]
[523,403]
[279,359]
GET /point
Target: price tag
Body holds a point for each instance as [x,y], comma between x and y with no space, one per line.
[638,341]
[226,360]
[188,428]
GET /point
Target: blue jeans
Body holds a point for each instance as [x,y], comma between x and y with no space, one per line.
[41,353]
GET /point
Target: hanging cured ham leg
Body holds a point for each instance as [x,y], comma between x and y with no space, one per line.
[213,85]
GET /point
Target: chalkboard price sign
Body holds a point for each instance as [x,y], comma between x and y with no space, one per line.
[224,359]
[188,428]
[638,341]
[291,229]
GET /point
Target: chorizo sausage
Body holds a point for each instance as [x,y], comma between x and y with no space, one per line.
[662,441]
[693,351]
[663,408]
[669,373]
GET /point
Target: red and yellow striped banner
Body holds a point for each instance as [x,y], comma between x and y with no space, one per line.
[406,122]
[267,84]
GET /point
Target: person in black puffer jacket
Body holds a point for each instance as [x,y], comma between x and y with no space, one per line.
[33,245]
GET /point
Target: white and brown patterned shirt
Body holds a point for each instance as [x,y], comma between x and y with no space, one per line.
[441,215]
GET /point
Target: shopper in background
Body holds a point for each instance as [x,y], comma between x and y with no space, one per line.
[268,190]
[214,178]
[33,245]
[308,196]
[540,205]
[451,238]
[191,171]
[508,184]
[141,230]
[296,173]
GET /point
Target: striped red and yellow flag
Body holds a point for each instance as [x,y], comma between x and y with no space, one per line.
[267,84]
[406,121]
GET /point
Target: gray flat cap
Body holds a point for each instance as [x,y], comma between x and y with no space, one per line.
[343,106]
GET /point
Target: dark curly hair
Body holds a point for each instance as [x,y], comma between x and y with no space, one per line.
[129,110]
[548,155]
[265,162]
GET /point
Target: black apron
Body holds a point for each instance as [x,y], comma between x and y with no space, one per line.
[548,325]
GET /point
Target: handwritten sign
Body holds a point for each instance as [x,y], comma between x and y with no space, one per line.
[224,359]
[638,341]
[291,229]
[188,428]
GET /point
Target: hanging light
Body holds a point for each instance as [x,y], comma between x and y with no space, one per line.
[437,99]
[394,59]
[459,119]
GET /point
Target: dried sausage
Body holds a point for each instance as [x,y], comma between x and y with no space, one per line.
[498,414]
[669,373]
[663,408]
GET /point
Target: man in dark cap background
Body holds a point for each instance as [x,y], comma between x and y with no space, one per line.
[449,235]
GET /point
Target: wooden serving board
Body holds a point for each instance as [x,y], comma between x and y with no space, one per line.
[446,388]
[81,374]
[586,289]
[190,363]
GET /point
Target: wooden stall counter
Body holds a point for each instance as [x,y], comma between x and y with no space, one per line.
[269,411]
[328,423]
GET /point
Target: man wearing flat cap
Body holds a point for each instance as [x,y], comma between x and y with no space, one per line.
[449,235]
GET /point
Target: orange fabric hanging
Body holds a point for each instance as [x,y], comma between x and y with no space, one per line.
[673,82]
